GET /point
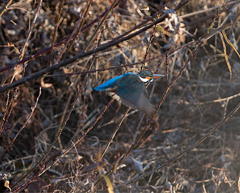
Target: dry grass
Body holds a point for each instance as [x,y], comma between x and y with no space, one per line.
[57,135]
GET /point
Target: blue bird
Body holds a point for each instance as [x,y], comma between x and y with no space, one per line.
[130,87]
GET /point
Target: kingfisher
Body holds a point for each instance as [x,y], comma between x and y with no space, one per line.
[131,88]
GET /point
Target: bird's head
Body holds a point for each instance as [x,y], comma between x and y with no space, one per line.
[147,76]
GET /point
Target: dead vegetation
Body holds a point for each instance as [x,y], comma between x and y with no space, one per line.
[57,135]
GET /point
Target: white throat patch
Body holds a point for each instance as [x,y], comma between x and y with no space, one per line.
[144,79]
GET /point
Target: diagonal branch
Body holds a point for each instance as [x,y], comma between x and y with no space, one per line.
[81,55]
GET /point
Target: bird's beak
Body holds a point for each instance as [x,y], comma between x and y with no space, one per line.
[157,76]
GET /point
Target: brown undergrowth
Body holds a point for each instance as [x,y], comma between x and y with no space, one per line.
[57,135]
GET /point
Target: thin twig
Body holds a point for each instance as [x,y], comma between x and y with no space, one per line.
[197,143]
[115,133]
[81,55]
[29,117]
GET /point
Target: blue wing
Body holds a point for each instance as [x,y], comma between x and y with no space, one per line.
[111,82]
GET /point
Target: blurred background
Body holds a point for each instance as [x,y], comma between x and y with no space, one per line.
[58,135]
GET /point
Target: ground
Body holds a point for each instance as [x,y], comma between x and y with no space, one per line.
[58,135]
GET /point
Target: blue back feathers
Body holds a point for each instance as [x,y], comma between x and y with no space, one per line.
[111,82]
